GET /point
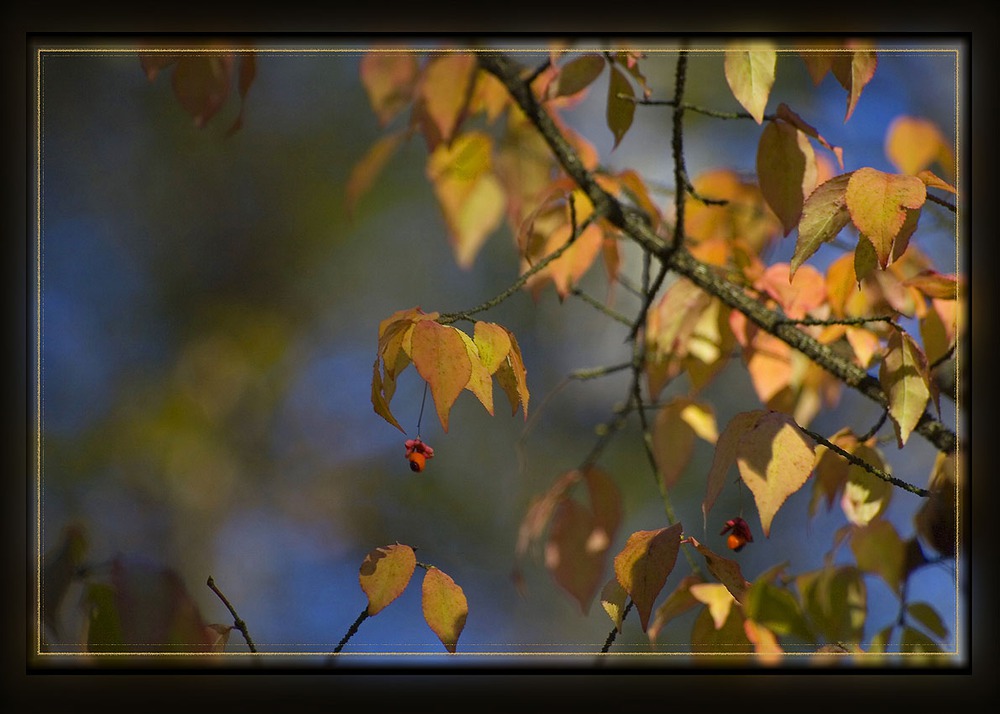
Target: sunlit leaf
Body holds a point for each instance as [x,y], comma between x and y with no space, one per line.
[725,570]
[750,75]
[644,563]
[440,356]
[445,607]
[802,125]
[480,381]
[865,494]
[718,599]
[493,343]
[824,215]
[878,204]
[913,144]
[765,644]
[613,598]
[774,458]
[786,170]
[903,375]
[385,573]
[797,294]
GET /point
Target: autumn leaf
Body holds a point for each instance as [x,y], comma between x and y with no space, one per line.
[385,573]
[784,113]
[674,430]
[927,616]
[774,459]
[576,75]
[865,495]
[726,451]
[878,204]
[936,521]
[878,549]
[865,259]
[903,375]
[718,599]
[440,357]
[750,75]
[445,607]
[934,284]
[613,598]
[725,570]
[575,565]
[644,563]
[389,79]
[765,645]
[786,170]
[777,609]
[731,637]
[797,294]
[824,214]
[913,144]
[854,70]
[480,381]
[620,110]
[365,172]
[446,89]
[513,377]
[493,343]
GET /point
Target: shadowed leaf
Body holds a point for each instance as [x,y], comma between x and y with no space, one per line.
[385,573]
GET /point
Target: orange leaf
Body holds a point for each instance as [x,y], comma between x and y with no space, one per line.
[786,170]
[540,511]
[573,557]
[934,284]
[750,75]
[644,563]
[440,356]
[797,294]
[912,144]
[877,203]
[480,381]
[774,459]
[385,573]
[446,91]
[445,607]
[389,79]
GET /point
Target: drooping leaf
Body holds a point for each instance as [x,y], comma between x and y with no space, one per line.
[726,451]
[620,111]
[365,172]
[480,380]
[569,556]
[446,89]
[613,598]
[440,356]
[934,284]
[774,458]
[389,79]
[818,64]
[824,214]
[936,521]
[718,599]
[865,258]
[932,181]
[786,170]
[726,571]
[513,378]
[644,563]
[385,573]
[576,75]
[854,70]
[878,204]
[878,549]
[802,125]
[903,375]
[750,75]
[445,607]
[677,603]
[674,429]
[379,402]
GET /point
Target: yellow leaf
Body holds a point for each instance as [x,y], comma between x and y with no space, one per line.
[446,91]
[726,571]
[440,356]
[725,454]
[480,381]
[750,75]
[774,459]
[903,375]
[445,607]
[717,597]
[385,573]
[912,144]
[877,203]
[493,343]
[613,601]
[865,495]
[643,565]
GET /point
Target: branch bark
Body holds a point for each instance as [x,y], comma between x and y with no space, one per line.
[636,226]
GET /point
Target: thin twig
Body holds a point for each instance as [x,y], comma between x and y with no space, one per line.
[238,623]
[813,321]
[352,630]
[941,202]
[594,302]
[874,430]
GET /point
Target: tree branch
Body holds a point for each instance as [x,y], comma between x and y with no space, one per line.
[636,226]
[237,622]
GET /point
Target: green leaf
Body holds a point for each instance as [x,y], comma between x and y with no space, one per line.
[385,573]
[777,610]
[445,607]
[927,616]
[913,640]
[620,111]
[835,599]
[903,375]
[644,563]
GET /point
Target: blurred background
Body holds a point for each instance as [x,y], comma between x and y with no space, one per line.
[209,318]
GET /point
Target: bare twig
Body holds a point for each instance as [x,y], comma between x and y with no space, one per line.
[238,623]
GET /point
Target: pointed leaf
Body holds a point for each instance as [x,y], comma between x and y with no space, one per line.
[824,214]
[644,563]
[613,601]
[726,571]
[513,378]
[750,75]
[799,123]
[480,381]
[912,144]
[718,599]
[725,454]
[903,375]
[620,111]
[445,607]
[576,75]
[439,355]
[379,401]
[786,170]
[854,70]
[765,643]
[865,259]
[446,89]
[385,573]
[774,458]
[571,555]
[877,203]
